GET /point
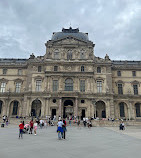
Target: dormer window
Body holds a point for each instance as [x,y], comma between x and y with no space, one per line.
[39,68]
[82,68]
[55,68]
[98,69]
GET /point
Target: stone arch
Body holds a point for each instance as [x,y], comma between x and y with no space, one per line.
[137,109]
[68,108]
[36,108]
[123,110]
[1,106]
[14,108]
[100,109]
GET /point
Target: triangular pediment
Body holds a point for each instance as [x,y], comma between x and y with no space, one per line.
[70,40]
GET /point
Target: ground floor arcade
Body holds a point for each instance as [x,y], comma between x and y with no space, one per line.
[69,106]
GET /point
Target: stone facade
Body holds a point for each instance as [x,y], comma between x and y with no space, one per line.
[70,80]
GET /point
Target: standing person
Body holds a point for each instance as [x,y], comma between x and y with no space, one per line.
[59,129]
[21,127]
[64,128]
[78,123]
[35,127]
[31,126]
[49,122]
[4,118]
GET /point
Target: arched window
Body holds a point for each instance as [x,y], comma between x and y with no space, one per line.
[82,68]
[122,114]
[15,108]
[69,84]
[69,55]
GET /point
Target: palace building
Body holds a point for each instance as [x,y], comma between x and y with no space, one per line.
[70,80]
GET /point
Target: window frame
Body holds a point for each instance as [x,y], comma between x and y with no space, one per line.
[99,86]
[135,89]
[38,85]
[3,87]
[119,73]
[120,88]
[82,85]
[55,86]
[98,69]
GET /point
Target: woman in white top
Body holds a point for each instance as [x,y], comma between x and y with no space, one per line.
[35,127]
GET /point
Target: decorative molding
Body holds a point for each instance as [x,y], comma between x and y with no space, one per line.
[3,80]
[135,82]
[38,78]
[119,82]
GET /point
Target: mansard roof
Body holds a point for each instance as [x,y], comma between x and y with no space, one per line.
[10,61]
[70,33]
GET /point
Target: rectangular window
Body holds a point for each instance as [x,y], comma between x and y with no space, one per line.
[2,88]
[135,87]
[118,73]
[99,86]
[120,90]
[55,68]
[133,73]
[4,71]
[38,85]
[19,72]
[82,85]
[55,85]
[98,69]
[18,87]
[39,68]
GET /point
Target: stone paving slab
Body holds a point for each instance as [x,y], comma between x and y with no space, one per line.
[80,143]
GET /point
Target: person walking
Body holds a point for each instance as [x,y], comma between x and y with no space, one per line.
[31,126]
[35,127]
[64,128]
[59,129]
[21,127]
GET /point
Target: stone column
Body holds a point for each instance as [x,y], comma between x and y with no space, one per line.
[46,107]
[7,107]
[129,113]
[43,109]
[76,107]
[60,106]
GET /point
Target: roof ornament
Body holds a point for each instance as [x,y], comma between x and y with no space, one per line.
[32,56]
[107,57]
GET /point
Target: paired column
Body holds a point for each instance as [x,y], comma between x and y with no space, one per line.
[60,107]
[76,107]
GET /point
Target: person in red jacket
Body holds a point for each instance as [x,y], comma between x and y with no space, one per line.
[31,126]
[21,127]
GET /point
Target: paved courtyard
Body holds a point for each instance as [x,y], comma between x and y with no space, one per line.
[97,142]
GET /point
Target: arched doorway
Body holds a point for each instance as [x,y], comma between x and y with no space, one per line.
[123,110]
[1,104]
[100,109]
[14,108]
[68,108]
[137,108]
[36,108]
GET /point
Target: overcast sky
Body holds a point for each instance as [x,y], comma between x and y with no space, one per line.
[113,25]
